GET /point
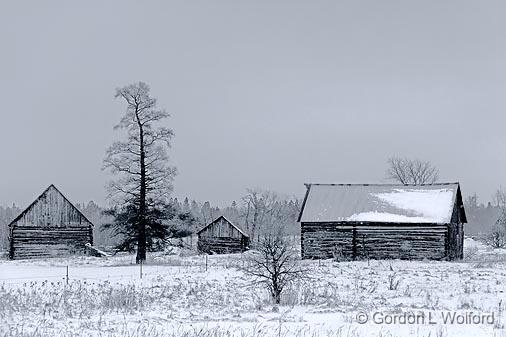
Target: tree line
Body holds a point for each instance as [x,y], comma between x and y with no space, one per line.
[187,216]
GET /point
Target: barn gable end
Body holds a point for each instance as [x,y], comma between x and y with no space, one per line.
[49,226]
[222,236]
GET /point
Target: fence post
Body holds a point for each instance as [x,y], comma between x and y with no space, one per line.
[140,265]
[354,243]
[67,275]
[206,262]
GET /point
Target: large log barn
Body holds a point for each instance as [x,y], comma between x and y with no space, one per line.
[380,221]
[222,236]
[50,226]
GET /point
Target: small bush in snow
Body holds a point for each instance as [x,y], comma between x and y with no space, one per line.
[470,253]
[274,265]
[497,237]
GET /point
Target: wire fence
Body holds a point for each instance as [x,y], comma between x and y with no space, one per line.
[116,270]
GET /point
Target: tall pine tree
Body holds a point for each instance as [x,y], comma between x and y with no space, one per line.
[140,192]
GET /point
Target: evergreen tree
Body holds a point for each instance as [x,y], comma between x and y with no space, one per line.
[140,193]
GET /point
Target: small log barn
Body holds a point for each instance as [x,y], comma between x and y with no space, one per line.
[222,237]
[379,221]
[50,226]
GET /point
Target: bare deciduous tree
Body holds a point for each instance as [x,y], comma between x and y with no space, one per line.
[499,197]
[264,210]
[274,264]
[411,171]
[497,237]
[254,206]
[144,176]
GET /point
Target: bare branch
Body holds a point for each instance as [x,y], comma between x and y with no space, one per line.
[407,171]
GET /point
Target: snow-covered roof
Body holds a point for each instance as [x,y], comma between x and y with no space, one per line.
[432,203]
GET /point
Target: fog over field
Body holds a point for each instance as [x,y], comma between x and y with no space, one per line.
[267,94]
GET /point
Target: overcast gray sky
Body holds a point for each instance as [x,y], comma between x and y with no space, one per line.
[262,93]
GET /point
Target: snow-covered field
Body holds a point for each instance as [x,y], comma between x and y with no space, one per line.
[177,296]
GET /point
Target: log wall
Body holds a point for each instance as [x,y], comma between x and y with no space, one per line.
[222,245]
[32,242]
[378,241]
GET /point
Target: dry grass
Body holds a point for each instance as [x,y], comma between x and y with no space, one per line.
[146,330]
[196,299]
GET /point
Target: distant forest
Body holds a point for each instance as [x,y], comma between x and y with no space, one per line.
[255,212]
[480,217]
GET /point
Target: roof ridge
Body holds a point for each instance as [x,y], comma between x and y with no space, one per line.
[381,184]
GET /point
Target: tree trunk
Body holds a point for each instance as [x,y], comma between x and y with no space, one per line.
[277,296]
[276,291]
[254,225]
[141,238]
